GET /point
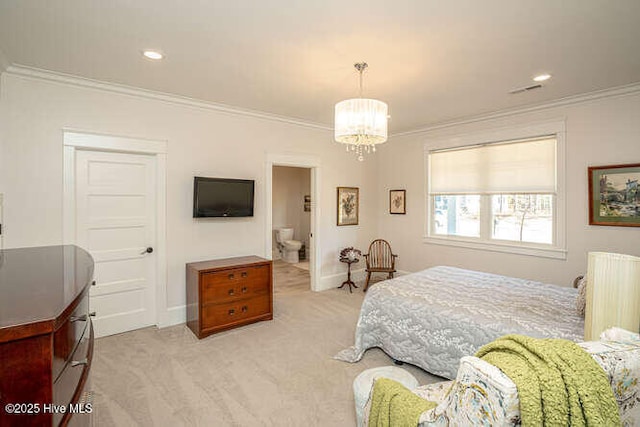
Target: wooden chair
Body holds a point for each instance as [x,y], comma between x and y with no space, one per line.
[380,259]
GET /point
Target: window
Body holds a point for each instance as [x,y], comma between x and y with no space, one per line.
[499,196]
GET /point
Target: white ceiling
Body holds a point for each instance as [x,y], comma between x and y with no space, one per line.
[432,61]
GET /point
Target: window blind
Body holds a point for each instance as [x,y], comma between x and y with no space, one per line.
[525,166]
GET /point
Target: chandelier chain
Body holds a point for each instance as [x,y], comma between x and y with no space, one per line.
[360,66]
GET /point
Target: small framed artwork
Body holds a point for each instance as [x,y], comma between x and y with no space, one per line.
[614,198]
[307,203]
[397,202]
[348,205]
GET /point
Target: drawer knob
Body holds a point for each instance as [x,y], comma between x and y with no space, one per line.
[244,274]
[231,292]
[82,318]
[232,312]
[79,362]
[93,283]
[231,276]
[92,313]
[244,308]
[244,289]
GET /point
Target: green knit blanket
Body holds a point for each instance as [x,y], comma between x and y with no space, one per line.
[394,405]
[559,384]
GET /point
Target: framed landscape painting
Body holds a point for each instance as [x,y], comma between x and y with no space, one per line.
[398,202]
[614,198]
[348,205]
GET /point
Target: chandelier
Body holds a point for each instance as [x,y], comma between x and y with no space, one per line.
[361,123]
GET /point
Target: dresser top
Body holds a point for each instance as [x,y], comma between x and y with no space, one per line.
[38,284]
[217,264]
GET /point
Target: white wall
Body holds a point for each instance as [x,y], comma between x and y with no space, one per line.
[599,132]
[290,185]
[201,141]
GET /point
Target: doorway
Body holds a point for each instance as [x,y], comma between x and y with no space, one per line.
[113,202]
[291,219]
[294,206]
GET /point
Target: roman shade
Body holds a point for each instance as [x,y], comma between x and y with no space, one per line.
[524,166]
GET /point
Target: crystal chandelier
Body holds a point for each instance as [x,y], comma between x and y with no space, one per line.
[361,123]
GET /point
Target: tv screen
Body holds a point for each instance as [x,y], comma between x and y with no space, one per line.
[221,197]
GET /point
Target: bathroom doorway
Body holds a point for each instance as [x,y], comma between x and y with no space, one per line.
[291,227]
[309,185]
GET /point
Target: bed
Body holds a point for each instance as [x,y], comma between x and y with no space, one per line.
[434,317]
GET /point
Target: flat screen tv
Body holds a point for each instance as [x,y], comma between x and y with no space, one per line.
[222,197]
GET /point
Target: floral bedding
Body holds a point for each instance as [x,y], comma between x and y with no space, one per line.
[433,318]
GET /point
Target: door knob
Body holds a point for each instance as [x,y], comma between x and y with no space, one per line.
[147,251]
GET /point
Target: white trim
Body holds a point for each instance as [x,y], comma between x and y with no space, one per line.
[69,195]
[555,127]
[175,316]
[301,161]
[68,79]
[555,253]
[334,280]
[497,134]
[96,141]
[72,80]
[162,316]
[73,140]
[614,92]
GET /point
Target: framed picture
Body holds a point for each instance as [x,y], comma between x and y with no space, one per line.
[348,205]
[397,202]
[614,198]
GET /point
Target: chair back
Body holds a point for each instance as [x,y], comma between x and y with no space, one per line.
[380,255]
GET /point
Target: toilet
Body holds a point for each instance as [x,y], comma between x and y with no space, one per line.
[287,246]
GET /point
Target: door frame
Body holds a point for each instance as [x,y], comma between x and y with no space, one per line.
[79,140]
[299,161]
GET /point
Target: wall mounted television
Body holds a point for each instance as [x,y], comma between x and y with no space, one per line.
[222,197]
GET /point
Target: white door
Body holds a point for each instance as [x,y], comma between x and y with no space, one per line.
[115,221]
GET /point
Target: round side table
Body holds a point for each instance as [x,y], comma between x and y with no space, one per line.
[349,281]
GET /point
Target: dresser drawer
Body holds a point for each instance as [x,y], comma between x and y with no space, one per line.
[214,315]
[233,283]
[257,273]
[67,336]
[234,290]
[69,380]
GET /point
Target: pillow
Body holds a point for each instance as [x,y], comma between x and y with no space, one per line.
[581,299]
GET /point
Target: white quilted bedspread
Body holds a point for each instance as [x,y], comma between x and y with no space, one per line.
[434,317]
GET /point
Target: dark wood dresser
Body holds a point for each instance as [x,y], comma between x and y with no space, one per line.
[227,293]
[46,337]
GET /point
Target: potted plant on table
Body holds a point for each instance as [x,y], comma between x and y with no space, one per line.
[350,254]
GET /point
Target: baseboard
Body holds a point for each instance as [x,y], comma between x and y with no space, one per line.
[174,316]
[335,280]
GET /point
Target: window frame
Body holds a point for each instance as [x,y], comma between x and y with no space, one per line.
[558,249]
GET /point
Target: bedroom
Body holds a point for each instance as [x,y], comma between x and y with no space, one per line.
[590,50]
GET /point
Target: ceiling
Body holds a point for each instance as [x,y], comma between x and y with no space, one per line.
[432,61]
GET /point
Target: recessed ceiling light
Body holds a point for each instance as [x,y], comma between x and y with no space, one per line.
[542,77]
[152,54]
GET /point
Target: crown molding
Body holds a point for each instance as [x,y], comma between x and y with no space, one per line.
[614,92]
[68,79]
[72,80]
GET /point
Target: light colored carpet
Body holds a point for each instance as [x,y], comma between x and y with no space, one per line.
[275,373]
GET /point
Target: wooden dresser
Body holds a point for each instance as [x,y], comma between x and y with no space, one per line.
[46,337]
[227,293]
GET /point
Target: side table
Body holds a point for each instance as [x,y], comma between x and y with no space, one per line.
[349,281]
